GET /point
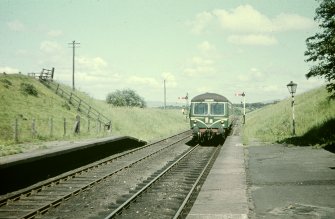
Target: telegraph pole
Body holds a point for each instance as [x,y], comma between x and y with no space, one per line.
[73,47]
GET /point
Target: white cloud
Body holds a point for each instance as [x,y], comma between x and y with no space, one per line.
[200,66]
[201,61]
[96,63]
[252,39]
[50,47]
[246,19]
[253,75]
[249,26]
[272,88]
[9,70]
[16,25]
[170,79]
[206,47]
[55,33]
[287,22]
[201,21]
[147,81]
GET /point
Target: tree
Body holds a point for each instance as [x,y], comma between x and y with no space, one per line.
[125,97]
[321,46]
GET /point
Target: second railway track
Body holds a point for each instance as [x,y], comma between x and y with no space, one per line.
[169,193]
[37,200]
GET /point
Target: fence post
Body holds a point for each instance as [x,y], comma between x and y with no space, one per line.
[70,99]
[97,122]
[57,88]
[77,125]
[33,129]
[88,124]
[64,127]
[89,110]
[16,130]
[51,126]
[78,109]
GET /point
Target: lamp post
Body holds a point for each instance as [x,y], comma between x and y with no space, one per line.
[292,87]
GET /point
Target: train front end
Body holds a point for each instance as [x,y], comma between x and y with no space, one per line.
[209,116]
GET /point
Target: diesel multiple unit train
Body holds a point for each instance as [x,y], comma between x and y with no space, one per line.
[211,115]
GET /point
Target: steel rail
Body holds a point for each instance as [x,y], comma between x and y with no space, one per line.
[33,189]
[64,179]
[142,190]
[202,175]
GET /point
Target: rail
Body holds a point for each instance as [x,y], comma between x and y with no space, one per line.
[44,196]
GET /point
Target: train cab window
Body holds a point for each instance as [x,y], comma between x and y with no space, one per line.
[217,108]
[200,109]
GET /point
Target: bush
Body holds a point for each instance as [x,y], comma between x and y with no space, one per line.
[28,89]
[126,97]
[6,83]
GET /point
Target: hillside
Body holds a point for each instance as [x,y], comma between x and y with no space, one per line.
[314,116]
[34,105]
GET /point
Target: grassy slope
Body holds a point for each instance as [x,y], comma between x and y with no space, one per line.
[314,116]
[146,124]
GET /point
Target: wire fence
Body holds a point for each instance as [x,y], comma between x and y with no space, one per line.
[57,128]
[46,77]
[80,104]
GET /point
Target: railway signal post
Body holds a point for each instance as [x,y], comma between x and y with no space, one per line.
[292,87]
[243,95]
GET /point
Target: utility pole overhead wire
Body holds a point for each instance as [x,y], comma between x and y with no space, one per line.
[74,44]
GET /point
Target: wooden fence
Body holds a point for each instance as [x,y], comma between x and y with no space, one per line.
[56,128]
[46,77]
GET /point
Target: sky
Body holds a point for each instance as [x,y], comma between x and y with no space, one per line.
[196,46]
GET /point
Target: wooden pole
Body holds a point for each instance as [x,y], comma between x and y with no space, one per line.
[51,126]
[33,129]
[16,130]
[64,127]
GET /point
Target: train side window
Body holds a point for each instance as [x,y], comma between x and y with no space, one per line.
[200,109]
[217,108]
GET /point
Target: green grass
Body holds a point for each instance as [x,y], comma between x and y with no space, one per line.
[314,116]
[26,99]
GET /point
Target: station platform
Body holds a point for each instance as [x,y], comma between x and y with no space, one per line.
[22,170]
[224,193]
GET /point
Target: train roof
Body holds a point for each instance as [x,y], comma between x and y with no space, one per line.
[209,96]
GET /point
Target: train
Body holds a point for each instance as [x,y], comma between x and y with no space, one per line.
[211,115]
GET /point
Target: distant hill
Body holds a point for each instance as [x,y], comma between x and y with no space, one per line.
[314,116]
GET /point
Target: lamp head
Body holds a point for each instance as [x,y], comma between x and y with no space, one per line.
[292,87]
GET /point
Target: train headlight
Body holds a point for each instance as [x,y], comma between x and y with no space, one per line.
[222,121]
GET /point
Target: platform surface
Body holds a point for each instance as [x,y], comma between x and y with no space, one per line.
[224,193]
[291,182]
[54,147]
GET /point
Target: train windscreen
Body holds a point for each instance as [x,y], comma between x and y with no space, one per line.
[217,108]
[200,109]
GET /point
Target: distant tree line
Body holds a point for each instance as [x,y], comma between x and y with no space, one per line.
[253,106]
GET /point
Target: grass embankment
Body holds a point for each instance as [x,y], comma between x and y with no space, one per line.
[40,104]
[314,116]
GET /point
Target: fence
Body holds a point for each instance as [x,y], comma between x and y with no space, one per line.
[46,74]
[46,77]
[56,128]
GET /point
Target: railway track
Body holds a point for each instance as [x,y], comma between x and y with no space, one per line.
[37,200]
[170,192]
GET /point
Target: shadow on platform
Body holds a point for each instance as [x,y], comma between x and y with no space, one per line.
[322,135]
